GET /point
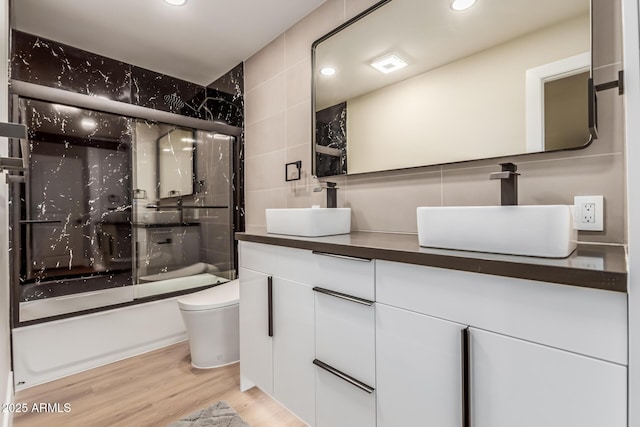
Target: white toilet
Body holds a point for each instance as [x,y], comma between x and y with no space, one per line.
[213,325]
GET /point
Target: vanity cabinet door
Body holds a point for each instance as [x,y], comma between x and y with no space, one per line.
[277,340]
[418,369]
[256,355]
[293,348]
[518,383]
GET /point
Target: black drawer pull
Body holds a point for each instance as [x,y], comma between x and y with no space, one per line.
[353,258]
[343,296]
[270,305]
[466,375]
[345,377]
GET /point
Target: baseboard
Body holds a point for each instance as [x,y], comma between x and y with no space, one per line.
[7,417]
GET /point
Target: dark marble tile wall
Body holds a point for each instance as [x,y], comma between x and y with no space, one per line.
[45,62]
[160,92]
[225,100]
[48,63]
[331,132]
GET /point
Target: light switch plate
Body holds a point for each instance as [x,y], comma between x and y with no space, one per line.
[588,213]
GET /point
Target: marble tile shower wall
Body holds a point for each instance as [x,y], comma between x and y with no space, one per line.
[49,63]
[278,130]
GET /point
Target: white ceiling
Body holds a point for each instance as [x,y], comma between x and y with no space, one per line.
[197,42]
[428,34]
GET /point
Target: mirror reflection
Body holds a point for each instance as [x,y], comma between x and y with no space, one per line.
[415,83]
[176,155]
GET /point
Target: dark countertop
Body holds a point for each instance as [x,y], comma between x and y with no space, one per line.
[590,265]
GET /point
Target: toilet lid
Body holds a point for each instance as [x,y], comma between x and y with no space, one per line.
[215,297]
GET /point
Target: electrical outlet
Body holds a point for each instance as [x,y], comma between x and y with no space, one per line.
[588,213]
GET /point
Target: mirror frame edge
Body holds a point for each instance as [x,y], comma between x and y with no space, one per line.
[313,67]
[592,103]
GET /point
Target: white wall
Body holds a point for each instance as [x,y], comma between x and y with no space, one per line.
[5,354]
[632,106]
[423,115]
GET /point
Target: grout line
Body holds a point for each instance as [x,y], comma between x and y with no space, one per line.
[360,178]
[262,83]
[441,186]
[283,150]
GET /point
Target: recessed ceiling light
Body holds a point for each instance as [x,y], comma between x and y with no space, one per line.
[462,4]
[88,124]
[389,63]
[175,2]
[327,71]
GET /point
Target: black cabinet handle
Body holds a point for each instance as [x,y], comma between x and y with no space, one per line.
[466,375]
[343,296]
[353,258]
[343,376]
[270,304]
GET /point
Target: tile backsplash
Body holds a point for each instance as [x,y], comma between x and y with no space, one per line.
[278,130]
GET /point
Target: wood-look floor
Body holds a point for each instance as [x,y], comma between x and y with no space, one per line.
[153,389]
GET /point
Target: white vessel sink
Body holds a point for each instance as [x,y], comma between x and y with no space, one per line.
[309,222]
[541,230]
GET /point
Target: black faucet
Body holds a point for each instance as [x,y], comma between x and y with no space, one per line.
[332,194]
[508,184]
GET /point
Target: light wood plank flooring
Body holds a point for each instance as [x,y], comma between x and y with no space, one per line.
[153,389]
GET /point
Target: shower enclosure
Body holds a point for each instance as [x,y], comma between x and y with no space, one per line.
[115,210]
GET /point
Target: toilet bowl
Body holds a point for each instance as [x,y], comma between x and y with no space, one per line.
[211,318]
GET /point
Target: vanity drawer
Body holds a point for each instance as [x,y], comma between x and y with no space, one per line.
[345,335]
[587,321]
[348,275]
[342,404]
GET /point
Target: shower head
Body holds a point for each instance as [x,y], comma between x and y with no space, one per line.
[174,101]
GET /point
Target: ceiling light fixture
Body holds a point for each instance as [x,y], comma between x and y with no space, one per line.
[88,124]
[389,64]
[462,4]
[175,2]
[327,71]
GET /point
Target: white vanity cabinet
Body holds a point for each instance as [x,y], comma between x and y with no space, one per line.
[366,343]
[518,383]
[345,342]
[419,375]
[276,330]
[320,360]
[536,354]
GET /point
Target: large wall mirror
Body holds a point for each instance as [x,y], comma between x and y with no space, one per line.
[413,83]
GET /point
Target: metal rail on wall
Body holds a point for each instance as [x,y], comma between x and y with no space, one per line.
[14,164]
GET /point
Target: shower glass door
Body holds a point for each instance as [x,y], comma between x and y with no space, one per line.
[114,210]
[73,212]
[182,208]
